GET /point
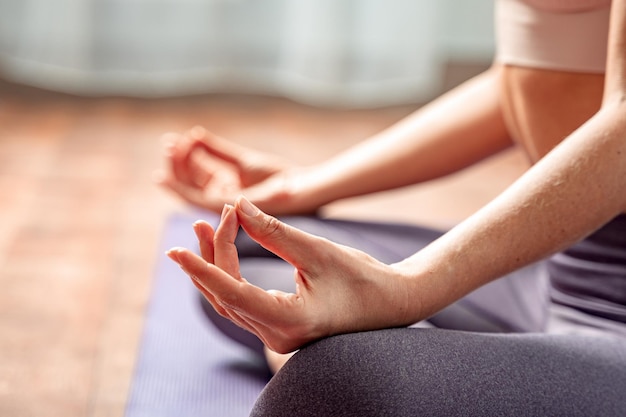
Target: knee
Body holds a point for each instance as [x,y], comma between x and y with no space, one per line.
[307,383]
[347,375]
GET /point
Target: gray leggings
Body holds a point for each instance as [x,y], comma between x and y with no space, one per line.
[486,356]
[436,372]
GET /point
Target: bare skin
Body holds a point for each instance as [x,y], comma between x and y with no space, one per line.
[537,118]
[542,107]
[209,171]
[342,290]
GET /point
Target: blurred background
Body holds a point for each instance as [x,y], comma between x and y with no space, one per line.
[87,87]
[325,52]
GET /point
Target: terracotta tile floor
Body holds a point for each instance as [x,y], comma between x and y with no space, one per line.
[81,223]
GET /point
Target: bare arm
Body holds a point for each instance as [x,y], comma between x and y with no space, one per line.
[615,85]
[571,192]
[454,131]
[577,187]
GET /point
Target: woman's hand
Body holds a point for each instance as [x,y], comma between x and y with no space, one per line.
[208,171]
[339,289]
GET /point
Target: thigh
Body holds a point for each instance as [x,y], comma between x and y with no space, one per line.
[435,372]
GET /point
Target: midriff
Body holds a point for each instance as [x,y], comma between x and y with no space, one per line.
[542,107]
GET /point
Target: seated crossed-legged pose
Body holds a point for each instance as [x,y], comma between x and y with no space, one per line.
[560,96]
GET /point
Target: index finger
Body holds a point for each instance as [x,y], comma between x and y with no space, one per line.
[224,249]
[205,233]
[178,149]
[223,149]
[238,295]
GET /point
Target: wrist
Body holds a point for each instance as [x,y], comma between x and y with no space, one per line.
[407,279]
[305,190]
[431,283]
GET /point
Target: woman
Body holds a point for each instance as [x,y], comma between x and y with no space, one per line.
[551,90]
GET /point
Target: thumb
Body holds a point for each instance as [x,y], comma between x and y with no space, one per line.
[295,246]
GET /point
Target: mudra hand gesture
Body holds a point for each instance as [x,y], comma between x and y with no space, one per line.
[208,171]
[339,289]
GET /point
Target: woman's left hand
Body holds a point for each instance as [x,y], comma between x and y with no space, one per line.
[339,289]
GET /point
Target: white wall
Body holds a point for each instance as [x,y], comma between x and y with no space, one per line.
[337,52]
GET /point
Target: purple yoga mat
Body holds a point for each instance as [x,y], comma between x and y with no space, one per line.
[185,367]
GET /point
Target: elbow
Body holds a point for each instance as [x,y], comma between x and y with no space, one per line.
[615,93]
[615,103]
[615,100]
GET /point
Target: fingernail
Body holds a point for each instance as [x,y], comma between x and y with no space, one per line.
[196,227]
[171,253]
[197,132]
[247,207]
[225,210]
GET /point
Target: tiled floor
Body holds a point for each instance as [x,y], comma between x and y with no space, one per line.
[81,222]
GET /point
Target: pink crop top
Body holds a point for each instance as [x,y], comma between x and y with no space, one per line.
[568,35]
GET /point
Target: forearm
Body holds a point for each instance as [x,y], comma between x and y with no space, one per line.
[571,192]
[458,129]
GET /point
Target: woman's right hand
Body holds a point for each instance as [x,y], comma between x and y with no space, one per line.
[208,171]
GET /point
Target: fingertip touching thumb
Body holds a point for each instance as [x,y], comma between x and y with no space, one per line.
[266,230]
[295,246]
[246,207]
